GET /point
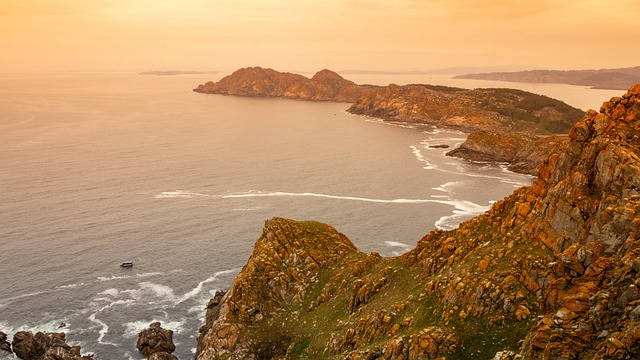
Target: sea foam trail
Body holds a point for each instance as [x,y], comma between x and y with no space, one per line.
[104,328]
[5,302]
[327,196]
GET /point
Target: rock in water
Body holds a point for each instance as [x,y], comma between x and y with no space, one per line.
[155,339]
[4,344]
[45,346]
[162,356]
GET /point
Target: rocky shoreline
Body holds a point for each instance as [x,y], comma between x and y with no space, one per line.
[154,343]
[512,115]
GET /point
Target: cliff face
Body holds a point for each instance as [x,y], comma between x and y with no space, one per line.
[495,110]
[325,85]
[523,152]
[549,272]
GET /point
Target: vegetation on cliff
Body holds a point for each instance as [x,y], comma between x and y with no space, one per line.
[496,110]
[549,272]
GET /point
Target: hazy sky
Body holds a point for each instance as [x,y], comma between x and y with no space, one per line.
[300,35]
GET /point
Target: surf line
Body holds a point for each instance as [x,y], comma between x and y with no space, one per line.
[458,204]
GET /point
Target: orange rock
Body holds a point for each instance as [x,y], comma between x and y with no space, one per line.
[483,264]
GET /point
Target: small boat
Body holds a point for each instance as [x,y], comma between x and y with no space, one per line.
[127,264]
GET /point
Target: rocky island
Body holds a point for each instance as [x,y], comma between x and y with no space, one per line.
[550,272]
[501,112]
[325,85]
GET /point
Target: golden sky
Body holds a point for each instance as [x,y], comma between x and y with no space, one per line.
[301,35]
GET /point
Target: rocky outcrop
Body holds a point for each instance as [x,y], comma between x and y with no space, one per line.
[44,346]
[287,260]
[494,110]
[523,152]
[4,344]
[549,272]
[156,342]
[325,85]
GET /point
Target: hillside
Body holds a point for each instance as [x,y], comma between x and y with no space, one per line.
[496,110]
[549,272]
[615,79]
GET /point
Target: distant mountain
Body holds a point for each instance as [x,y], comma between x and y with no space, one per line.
[614,79]
[175,72]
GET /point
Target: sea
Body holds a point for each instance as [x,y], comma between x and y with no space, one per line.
[101,168]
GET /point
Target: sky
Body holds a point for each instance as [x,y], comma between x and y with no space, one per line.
[305,36]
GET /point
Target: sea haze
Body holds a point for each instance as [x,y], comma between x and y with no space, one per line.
[96,169]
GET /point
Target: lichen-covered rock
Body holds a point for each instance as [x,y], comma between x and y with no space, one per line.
[155,339]
[285,262]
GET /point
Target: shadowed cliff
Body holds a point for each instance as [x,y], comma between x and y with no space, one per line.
[549,272]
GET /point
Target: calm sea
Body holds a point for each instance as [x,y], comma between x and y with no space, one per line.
[96,169]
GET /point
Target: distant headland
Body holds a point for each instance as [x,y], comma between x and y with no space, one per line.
[613,79]
[175,72]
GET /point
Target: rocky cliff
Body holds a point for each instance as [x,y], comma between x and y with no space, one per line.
[550,272]
[325,85]
[523,152]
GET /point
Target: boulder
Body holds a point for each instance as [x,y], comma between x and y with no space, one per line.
[45,346]
[4,344]
[162,356]
[155,339]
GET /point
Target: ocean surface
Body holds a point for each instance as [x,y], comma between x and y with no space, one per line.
[97,169]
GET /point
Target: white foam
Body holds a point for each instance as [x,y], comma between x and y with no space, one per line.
[327,196]
[5,302]
[418,154]
[446,187]
[181,194]
[397,244]
[104,328]
[198,289]
[70,286]
[114,277]
[253,208]
[113,292]
[121,277]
